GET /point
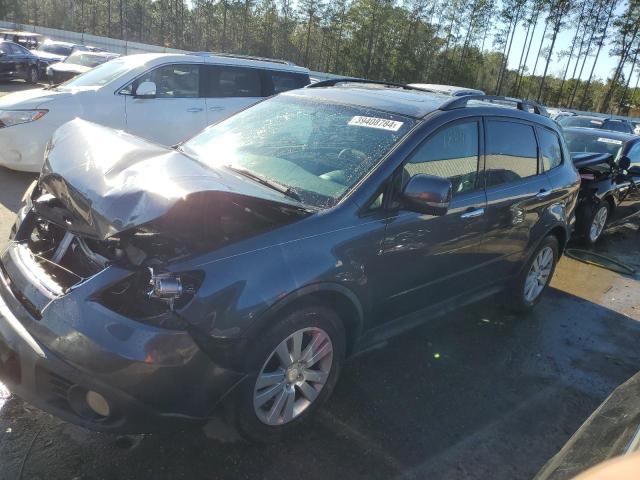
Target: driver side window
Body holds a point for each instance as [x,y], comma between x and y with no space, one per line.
[451,153]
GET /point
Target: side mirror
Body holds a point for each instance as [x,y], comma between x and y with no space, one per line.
[146,90]
[427,194]
[634,171]
[624,163]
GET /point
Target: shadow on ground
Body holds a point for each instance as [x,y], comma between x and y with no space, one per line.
[476,394]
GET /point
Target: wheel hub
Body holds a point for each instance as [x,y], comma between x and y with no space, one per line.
[294,373]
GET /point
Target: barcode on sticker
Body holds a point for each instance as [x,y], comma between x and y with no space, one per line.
[373,122]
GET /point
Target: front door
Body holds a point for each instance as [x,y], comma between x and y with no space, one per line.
[7,60]
[178,110]
[426,258]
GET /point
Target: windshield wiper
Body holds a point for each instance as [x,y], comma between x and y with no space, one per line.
[279,187]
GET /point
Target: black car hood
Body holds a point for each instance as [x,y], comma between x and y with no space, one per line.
[110,181]
[612,430]
[587,159]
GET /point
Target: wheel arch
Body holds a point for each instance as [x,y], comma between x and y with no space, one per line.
[337,297]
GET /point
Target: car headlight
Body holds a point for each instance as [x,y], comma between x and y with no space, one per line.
[9,118]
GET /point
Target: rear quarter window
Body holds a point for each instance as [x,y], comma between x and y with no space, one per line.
[550,149]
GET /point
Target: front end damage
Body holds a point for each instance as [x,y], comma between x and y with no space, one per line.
[91,311]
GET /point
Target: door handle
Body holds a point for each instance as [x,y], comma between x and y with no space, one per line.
[543,193]
[477,212]
[194,110]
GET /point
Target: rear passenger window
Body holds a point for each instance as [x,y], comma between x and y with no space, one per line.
[512,152]
[550,149]
[226,82]
[283,81]
[451,153]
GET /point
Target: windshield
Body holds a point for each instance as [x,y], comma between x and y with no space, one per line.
[570,121]
[56,49]
[579,142]
[101,75]
[318,150]
[85,60]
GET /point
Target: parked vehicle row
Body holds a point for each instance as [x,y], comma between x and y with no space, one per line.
[242,265]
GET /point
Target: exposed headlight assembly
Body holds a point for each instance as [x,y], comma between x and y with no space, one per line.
[8,118]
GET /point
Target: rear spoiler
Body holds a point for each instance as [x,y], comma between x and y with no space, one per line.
[584,160]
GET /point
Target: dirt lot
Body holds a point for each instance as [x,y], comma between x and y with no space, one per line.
[476,394]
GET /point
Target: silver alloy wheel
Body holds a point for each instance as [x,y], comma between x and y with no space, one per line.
[598,223]
[538,275]
[293,376]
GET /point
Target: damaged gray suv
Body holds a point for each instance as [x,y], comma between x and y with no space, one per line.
[147,287]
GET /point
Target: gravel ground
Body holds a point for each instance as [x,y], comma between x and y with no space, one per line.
[476,394]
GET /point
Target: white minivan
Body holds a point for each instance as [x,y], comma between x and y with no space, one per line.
[166,98]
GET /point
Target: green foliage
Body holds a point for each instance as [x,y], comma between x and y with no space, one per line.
[460,42]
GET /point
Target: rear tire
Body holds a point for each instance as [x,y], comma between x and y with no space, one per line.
[535,276]
[295,391]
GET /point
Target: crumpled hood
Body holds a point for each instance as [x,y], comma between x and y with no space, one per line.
[34,98]
[111,181]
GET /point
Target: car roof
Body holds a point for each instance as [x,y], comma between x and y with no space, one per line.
[95,54]
[449,89]
[24,34]
[601,119]
[56,42]
[154,59]
[598,132]
[409,102]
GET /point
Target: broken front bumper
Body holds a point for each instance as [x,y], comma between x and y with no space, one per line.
[55,347]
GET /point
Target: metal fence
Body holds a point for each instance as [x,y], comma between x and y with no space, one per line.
[123,47]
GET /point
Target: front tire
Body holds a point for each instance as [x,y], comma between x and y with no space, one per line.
[295,367]
[536,275]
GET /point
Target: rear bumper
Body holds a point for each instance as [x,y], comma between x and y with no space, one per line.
[153,379]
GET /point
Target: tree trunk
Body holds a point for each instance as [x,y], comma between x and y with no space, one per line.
[526,57]
[595,61]
[626,86]
[506,59]
[573,45]
[504,52]
[535,65]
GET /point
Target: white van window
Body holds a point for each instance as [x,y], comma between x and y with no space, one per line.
[174,81]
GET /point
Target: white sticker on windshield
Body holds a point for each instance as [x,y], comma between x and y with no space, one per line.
[609,140]
[373,122]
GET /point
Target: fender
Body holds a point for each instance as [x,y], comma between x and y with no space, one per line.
[356,324]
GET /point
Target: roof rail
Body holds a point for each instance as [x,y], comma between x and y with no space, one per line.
[520,104]
[245,57]
[334,81]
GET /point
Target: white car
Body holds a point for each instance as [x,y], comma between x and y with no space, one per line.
[166,98]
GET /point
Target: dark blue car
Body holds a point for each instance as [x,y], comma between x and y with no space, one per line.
[147,286]
[16,62]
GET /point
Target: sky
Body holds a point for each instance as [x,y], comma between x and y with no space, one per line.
[606,62]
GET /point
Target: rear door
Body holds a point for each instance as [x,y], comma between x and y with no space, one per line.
[629,193]
[178,110]
[229,89]
[517,189]
[426,258]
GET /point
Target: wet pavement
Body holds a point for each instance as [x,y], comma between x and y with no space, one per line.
[473,395]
